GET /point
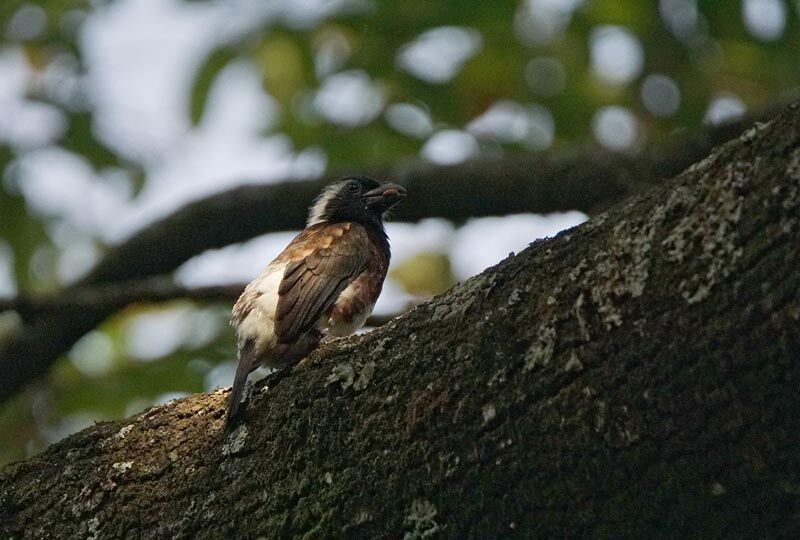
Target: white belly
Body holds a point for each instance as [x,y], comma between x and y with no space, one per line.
[259,324]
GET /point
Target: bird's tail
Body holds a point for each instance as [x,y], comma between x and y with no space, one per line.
[246,365]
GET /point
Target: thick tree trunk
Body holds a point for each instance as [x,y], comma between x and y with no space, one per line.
[633,377]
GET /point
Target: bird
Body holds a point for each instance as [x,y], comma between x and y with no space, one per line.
[324,283]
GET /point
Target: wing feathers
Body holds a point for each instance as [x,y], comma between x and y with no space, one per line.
[324,259]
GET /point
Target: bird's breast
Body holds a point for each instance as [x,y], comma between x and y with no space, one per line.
[355,303]
[352,307]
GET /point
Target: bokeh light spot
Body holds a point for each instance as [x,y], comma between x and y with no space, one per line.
[545,76]
[449,147]
[409,120]
[349,98]
[660,95]
[724,107]
[616,128]
[764,19]
[436,56]
[615,54]
[27,23]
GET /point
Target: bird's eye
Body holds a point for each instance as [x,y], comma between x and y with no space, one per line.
[353,187]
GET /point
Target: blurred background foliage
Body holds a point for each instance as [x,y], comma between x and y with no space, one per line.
[107,109]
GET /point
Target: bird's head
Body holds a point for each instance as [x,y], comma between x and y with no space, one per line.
[357,198]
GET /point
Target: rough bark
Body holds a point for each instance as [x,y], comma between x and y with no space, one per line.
[590,180]
[634,377]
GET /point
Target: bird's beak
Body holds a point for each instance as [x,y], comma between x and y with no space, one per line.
[385,196]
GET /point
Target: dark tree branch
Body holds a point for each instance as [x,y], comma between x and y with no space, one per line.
[634,377]
[114,296]
[588,180]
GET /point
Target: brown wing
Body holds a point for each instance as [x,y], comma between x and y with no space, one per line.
[322,261]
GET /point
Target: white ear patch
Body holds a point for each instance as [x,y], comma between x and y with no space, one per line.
[316,214]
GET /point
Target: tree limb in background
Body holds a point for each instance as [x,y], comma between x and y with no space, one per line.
[634,377]
[114,296]
[589,180]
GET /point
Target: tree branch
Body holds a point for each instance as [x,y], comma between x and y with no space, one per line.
[634,377]
[589,180]
[113,296]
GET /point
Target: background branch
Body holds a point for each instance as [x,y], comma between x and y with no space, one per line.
[589,180]
[114,296]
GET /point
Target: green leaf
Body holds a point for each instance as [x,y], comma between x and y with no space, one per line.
[23,232]
[285,63]
[204,79]
[80,138]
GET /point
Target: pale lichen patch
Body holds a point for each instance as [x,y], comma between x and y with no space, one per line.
[577,309]
[574,363]
[124,431]
[793,169]
[122,466]
[577,271]
[235,441]
[751,133]
[499,377]
[514,298]
[463,351]
[790,197]
[357,375]
[342,373]
[449,462]
[462,297]
[365,373]
[600,417]
[708,232]
[489,413]
[92,528]
[620,271]
[420,522]
[599,219]
[362,516]
[541,350]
